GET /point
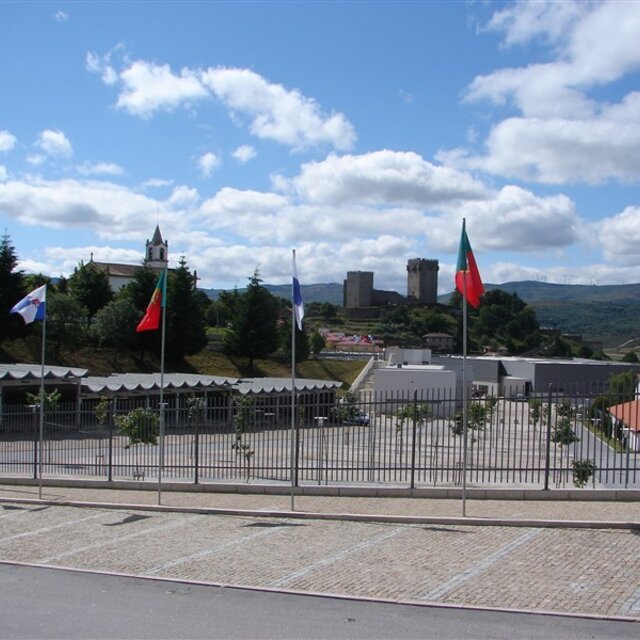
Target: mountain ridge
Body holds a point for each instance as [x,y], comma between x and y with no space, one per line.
[606,313]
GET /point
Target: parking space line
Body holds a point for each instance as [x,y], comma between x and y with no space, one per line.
[53,527]
[211,551]
[475,570]
[105,543]
[337,556]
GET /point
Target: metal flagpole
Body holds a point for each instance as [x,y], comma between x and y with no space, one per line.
[41,434]
[161,426]
[293,384]
[464,394]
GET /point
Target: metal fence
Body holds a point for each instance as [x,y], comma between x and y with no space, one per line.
[416,440]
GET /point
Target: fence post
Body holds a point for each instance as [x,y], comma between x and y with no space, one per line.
[33,408]
[110,454]
[196,452]
[547,460]
[413,440]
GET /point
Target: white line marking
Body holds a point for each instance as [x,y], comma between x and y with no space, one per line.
[36,532]
[472,572]
[209,552]
[632,605]
[106,543]
[337,556]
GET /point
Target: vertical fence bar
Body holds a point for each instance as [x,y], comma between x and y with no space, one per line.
[413,439]
[547,463]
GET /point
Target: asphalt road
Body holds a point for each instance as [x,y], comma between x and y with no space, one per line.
[52,603]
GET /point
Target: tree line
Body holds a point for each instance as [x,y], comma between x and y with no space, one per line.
[83,309]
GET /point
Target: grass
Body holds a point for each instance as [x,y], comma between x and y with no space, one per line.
[103,362]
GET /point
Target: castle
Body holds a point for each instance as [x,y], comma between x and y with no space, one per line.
[422,287]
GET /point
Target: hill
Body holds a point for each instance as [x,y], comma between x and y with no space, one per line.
[330,292]
[607,313]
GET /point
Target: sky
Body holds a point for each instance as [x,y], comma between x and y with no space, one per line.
[360,134]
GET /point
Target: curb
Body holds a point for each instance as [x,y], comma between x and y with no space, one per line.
[342,517]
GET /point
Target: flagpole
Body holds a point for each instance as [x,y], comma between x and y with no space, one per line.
[464,394]
[293,384]
[161,425]
[41,433]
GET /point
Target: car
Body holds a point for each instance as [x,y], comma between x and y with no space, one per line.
[359,417]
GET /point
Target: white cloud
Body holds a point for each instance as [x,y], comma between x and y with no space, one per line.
[620,238]
[156,183]
[285,116]
[54,144]
[564,133]
[276,113]
[557,151]
[7,141]
[244,153]
[61,16]
[110,210]
[36,159]
[100,168]
[183,198]
[149,88]
[3,173]
[384,177]
[208,163]
[548,20]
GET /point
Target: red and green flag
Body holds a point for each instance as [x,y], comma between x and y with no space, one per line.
[153,314]
[468,281]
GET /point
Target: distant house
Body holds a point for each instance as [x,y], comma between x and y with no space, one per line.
[156,256]
[626,418]
[440,342]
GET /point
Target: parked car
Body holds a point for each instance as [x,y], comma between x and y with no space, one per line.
[358,417]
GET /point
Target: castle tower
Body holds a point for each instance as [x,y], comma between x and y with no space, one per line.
[422,280]
[358,289]
[156,251]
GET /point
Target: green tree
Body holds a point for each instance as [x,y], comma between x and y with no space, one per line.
[622,387]
[186,309]
[303,350]
[116,323]
[90,286]
[317,342]
[65,320]
[254,330]
[630,356]
[12,290]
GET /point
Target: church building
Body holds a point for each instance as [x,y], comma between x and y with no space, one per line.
[156,256]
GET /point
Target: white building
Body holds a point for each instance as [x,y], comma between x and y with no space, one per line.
[422,382]
[156,256]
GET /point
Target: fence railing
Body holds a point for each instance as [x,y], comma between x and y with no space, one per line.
[416,439]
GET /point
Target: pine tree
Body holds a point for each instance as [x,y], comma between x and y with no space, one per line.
[90,286]
[254,331]
[11,289]
[186,330]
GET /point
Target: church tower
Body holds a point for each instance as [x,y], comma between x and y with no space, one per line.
[156,251]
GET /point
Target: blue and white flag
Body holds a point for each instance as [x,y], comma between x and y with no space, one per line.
[298,306]
[32,306]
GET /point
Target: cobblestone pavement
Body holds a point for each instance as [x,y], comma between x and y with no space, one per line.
[584,571]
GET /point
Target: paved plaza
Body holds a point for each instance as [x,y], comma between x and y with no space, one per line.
[428,554]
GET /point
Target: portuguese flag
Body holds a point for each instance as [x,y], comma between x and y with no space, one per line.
[468,281]
[151,318]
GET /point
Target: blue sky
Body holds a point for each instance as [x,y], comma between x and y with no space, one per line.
[358,133]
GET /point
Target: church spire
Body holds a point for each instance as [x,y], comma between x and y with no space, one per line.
[156,251]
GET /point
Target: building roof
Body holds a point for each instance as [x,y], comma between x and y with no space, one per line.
[157,236]
[628,413]
[141,383]
[31,373]
[117,270]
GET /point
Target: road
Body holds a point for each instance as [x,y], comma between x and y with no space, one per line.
[49,603]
